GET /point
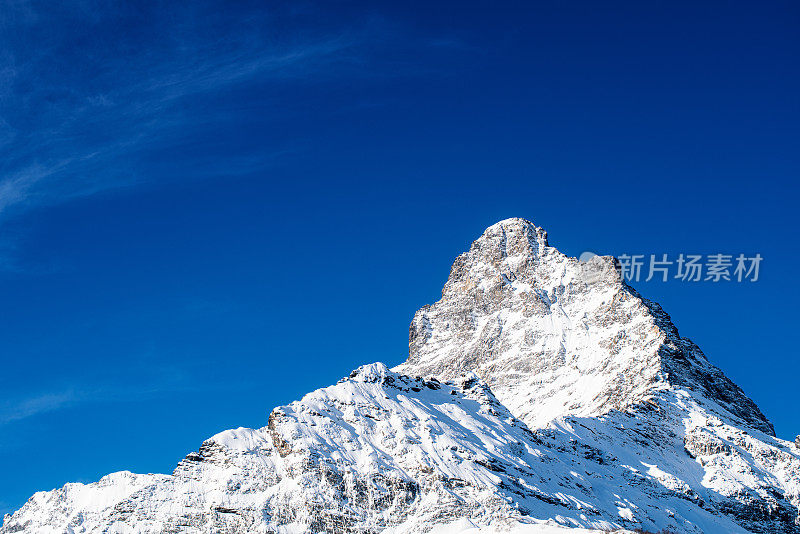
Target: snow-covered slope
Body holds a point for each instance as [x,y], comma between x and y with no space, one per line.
[604,418]
[554,336]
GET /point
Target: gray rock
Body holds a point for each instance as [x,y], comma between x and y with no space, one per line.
[514,310]
[551,393]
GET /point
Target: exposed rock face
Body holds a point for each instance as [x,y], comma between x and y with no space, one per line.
[553,395]
[552,337]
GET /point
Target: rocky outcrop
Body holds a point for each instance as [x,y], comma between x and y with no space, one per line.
[555,336]
[553,394]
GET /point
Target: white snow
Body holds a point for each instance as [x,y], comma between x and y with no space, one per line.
[603,420]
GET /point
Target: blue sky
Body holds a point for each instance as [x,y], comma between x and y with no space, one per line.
[207,211]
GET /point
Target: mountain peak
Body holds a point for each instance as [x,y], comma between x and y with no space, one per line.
[512,223]
[641,431]
[551,341]
[512,237]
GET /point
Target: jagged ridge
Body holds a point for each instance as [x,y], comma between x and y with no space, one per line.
[554,336]
[604,418]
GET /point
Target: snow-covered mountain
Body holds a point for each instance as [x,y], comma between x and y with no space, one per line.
[541,394]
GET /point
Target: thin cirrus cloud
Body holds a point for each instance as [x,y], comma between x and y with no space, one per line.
[64,140]
[164,380]
[20,409]
[87,95]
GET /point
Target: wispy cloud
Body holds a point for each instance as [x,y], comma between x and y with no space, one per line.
[70,131]
[163,381]
[24,408]
[91,93]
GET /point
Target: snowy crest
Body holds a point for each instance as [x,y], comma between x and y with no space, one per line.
[551,341]
[534,399]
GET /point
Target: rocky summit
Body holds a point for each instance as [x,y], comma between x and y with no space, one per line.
[540,394]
